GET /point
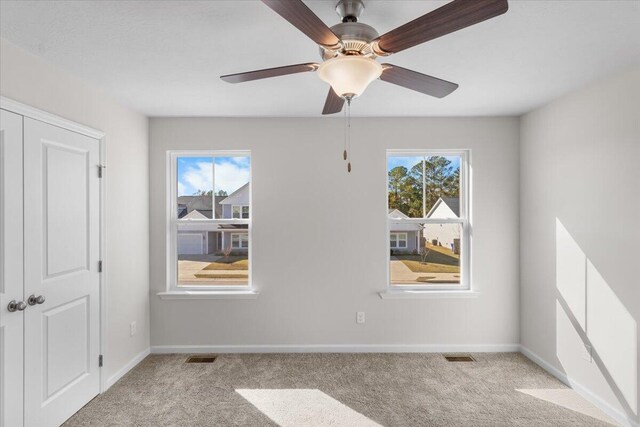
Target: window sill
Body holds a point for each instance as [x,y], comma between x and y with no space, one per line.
[426,294]
[173,295]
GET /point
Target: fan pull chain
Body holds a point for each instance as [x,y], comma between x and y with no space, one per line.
[348,139]
[344,153]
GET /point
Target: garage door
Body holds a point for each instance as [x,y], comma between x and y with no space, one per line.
[190,244]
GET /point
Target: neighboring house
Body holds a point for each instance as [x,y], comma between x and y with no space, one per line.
[447,235]
[203,239]
[403,237]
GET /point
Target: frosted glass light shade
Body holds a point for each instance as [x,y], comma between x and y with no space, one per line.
[349,75]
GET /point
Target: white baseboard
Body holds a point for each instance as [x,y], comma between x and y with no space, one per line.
[126,368]
[613,413]
[336,348]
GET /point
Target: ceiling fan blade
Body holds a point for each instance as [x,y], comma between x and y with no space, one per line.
[333,104]
[269,72]
[301,17]
[451,17]
[417,81]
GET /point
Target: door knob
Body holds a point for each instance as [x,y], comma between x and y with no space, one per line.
[33,300]
[16,306]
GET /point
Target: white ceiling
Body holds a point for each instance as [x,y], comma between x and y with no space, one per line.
[163,58]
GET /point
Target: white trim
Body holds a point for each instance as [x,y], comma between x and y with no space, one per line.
[172,222]
[126,368]
[52,119]
[209,294]
[105,262]
[616,414]
[426,293]
[464,220]
[337,348]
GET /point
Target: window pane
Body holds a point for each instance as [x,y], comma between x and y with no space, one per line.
[195,187]
[235,211]
[206,258]
[431,255]
[442,181]
[405,187]
[231,179]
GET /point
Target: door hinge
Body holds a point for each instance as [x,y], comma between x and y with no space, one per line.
[100,360]
[99,266]
[100,170]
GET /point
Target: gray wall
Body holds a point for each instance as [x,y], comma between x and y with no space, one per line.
[580,238]
[28,79]
[311,287]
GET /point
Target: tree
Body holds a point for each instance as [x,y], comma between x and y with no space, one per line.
[397,178]
[406,186]
[221,193]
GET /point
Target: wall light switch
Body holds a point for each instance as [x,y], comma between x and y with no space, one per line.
[360,317]
[132,328]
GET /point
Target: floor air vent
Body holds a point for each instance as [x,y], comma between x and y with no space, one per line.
[201,359]
[459,358]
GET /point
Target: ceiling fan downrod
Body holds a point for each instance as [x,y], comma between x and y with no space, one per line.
[349,10]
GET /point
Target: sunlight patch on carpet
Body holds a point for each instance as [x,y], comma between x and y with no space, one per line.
[304,407]
[568,398]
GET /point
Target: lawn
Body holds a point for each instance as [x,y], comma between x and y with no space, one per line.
[230,263]
[439,260]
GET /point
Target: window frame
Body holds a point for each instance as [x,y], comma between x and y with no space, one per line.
[464,220]
[241,211]
[240,240]
[397,234]
[172,221]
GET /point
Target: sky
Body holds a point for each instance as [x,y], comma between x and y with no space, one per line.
[196,173]
[409,162]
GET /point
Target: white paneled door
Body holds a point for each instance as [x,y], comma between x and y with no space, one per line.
[61,278]
[11,268]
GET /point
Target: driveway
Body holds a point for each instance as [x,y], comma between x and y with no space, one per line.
[188,269]
[402,275]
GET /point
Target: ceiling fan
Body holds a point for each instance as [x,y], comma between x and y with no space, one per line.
[350,48]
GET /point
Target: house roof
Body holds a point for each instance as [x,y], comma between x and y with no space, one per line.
[202,204]
[238,191]
[194,214]
[396,213]
[452,202]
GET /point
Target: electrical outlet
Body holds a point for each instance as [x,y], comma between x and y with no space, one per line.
[360,317]
[132,328]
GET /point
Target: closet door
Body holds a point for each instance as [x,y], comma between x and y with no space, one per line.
[61,239]
[11,280]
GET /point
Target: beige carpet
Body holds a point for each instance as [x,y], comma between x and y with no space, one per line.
[334,390]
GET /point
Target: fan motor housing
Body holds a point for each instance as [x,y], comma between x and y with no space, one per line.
[356,40]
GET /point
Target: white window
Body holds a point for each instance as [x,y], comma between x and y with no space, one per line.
[240,211]
[428,200]
[207,249]
[398,240]
[239,241]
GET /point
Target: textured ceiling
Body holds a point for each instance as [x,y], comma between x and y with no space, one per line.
[164,58]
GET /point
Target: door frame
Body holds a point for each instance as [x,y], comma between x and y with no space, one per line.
[52,119]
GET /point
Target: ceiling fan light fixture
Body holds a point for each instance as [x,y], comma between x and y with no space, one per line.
[349,76]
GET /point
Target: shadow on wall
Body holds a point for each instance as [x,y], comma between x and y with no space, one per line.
[593,326]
